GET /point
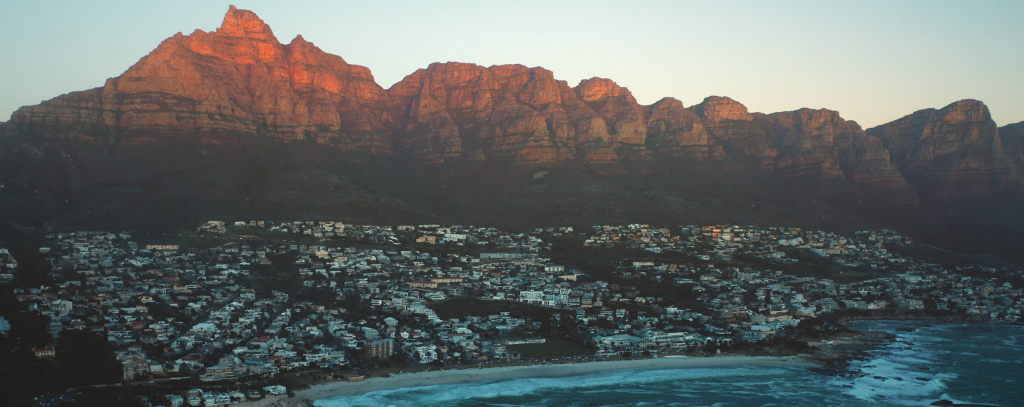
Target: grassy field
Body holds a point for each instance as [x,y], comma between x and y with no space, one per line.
[549,349]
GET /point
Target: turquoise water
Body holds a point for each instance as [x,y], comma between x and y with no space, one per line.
[959,362]
[965,363]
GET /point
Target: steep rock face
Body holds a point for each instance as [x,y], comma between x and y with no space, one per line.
[952,156]
[823,142]
[866,163]
[676,132]
[622,114]
[803,143]
[1012,138]
[718,109]
[805,140]
[730,122]
[237,79]
[466,111]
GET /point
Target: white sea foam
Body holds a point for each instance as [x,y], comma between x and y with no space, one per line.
[924,367]
[991,360]
[629,382]
[897,374]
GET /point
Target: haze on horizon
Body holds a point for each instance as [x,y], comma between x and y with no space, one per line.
[872,61]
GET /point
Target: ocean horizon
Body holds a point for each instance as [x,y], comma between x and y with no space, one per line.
[961,363]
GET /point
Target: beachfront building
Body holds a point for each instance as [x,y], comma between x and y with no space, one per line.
[276,390]
[621,343]
[378,349]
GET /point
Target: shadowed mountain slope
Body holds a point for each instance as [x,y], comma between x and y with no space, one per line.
[232,124]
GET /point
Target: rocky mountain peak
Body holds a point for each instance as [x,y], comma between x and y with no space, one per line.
[236,80]
[811,119]
[245,24]
[300,50]
[965,111]
[951,154]
[715,109]
[601,89]
[668,103]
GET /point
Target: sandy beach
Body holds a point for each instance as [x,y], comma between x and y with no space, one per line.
[486,374]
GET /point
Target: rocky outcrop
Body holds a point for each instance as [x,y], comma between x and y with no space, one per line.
[805,140]
[624,119]
[675,132]
[745,138]
[952,156]
[457,111]
[717,110]
[821,142]
[805,143]
[236,80]
[1012,138]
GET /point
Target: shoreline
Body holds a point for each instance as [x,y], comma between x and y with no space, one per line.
[831,362]
[939,319]
[502,373]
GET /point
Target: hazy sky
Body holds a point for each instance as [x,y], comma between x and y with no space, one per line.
[873,61]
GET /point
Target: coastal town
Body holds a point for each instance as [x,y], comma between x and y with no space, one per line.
[227,313]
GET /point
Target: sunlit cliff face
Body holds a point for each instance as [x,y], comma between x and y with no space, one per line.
[239,79]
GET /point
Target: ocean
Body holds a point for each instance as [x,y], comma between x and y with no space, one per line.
[961,363]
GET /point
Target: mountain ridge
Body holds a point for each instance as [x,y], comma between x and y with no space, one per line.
[210,96]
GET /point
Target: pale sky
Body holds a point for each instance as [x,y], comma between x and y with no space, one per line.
[873,61]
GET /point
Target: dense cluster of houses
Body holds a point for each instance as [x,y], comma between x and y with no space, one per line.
[175,311]
[427,234]
[722,242]
[7,266]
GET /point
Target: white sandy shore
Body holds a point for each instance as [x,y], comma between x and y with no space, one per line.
[488,374]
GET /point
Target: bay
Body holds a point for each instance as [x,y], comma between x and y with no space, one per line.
[962,363]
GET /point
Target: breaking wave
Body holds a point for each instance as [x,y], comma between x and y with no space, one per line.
[961,363]
[683,386]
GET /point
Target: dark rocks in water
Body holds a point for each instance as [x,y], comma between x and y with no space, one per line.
[905,329]
[950,403]
[923,379]
[879,377]
[923,368]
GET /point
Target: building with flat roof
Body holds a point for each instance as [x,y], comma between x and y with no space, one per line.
[378,349]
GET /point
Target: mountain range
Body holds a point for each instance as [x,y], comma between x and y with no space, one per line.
[233,124]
